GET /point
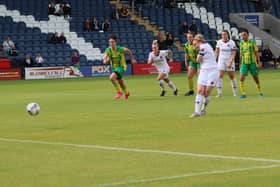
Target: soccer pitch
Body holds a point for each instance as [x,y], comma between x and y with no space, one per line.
[83,137]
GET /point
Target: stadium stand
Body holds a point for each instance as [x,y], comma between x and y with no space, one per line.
[29,25]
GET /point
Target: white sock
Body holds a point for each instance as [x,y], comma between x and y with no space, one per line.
[198,103]
[220,86]
[205,102]
[161,84]
[171,85]
[234,86]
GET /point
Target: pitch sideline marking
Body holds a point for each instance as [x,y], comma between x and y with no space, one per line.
[205,173]
[109,148]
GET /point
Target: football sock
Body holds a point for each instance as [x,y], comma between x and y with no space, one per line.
[242,88]
[198,103]
[220,86]
[206,102]
[190,80]
[117,86]
[234,86]
[258,85]
[171,85]
[123,87]
[161,84]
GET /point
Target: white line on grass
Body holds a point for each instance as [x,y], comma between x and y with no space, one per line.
[158,179]
[109,148]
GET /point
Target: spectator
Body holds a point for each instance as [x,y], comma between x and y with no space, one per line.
[59,9]
[52,8]
[170,4]
[267,6]
[95,24]
[62,39]
[66,10]
[161,42]
[258,5]
[87,25]
[266,55]
[123,12]
[9,47]
[236,41]
[169,39]
[2,52]
[185,28]
[237,56]
[39,60]
[193,27]
[106,25]
[75,60]
[54,38]
[28,61]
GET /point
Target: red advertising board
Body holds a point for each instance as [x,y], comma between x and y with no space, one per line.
[10,74]
[5,63]
[142,69]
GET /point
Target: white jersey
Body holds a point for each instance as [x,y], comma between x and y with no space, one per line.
[225,49]
[160,61]
[208,57]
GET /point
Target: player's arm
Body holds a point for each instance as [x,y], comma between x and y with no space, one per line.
[217,52]
[232,57]
[258,57]
[240,56]
[170,55]
[186,59]
[132,59]
[200,55]
[106,58]
[150,60]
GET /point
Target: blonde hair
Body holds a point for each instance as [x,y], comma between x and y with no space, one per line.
[199,37]
[155,42]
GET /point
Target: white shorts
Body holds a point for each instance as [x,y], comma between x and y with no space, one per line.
[165,71]
[223,66]
[208,77]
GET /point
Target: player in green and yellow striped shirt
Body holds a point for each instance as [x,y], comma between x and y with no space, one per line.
[190,61]
[115,54]
[249,61]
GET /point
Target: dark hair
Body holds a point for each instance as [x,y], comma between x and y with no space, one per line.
[226,31]
[191,33]
[114,37]
[245,30]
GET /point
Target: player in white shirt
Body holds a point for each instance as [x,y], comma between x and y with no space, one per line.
[225,53]
[158,59]
[207,77]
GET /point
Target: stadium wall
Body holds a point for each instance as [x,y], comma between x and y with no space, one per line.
[268,39]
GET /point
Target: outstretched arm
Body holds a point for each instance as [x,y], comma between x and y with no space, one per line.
[133,61]
[105,58]
[170,56]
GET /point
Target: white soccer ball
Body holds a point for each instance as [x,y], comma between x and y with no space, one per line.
[33,109]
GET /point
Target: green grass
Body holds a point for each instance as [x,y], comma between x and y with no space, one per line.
[84,112]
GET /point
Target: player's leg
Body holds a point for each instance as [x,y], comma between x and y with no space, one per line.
[233,82]
[160,79]
[191,73]
[220,83]
[255,73]
[113,79]
[212,80]
[199,98]
[124,88]
[243,74]
[206,100]
[170,84]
